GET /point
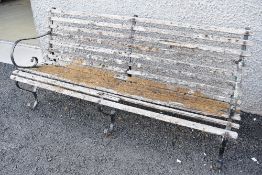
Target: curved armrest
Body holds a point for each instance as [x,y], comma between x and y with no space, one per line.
[34,59]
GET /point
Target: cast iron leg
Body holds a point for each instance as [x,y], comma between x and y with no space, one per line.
[35,103]
[221,153]
[108,131]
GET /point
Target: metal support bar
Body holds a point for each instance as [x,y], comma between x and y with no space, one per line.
[34,59]
[222,148]
[233,103]
[130,46]
[33,106]
[108,131]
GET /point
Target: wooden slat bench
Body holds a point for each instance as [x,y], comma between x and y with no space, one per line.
[150,67]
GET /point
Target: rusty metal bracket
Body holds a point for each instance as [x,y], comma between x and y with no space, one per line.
[33,59]
[33,105]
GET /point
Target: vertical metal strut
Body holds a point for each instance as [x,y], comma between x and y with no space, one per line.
[234,100]
[131,40]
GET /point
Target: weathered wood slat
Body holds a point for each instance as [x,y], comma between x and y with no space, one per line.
[202,28]
[117,67]
[105,95]
[74,33]
[91,23]
[162,117]
[75,13]
[156,21]
[208,48]
[199,36]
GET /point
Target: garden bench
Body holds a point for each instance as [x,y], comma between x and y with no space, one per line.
[174,72]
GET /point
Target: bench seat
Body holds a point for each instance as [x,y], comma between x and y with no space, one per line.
[132,95]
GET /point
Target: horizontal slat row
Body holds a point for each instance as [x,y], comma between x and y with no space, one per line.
[162,117]
[104,95]
[166,32]
[150,30]
[166,55]
[212,71]
[49,80]
[69,30]
[155,21]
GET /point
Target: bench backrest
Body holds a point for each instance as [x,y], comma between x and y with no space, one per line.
[206,60]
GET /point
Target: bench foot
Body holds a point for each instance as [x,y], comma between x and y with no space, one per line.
[220,162]
[108,131]
[35,103]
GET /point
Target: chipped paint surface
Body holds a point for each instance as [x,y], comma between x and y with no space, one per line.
[94,77]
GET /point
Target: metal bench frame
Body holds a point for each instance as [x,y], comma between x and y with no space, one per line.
[152,109]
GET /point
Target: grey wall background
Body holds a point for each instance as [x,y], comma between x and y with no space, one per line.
[226,13]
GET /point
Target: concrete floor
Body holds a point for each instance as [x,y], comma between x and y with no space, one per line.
[16,21]
[64,136]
